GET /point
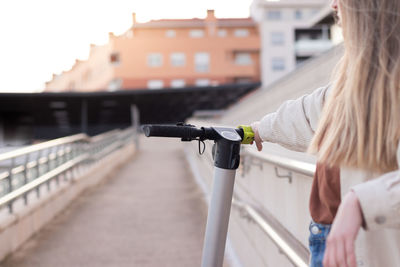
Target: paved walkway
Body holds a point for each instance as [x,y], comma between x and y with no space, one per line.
[150,214]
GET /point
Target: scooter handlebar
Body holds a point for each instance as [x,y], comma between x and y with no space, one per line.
[185,132]
[189,132]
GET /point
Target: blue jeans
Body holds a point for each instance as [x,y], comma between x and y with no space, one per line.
[317,239]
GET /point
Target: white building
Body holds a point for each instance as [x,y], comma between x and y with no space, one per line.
[291,32]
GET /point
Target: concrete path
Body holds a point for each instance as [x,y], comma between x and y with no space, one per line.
[150,213]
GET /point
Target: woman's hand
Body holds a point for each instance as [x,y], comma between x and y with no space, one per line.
[340,243]
[257,138]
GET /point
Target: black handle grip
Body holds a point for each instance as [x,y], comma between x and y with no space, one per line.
[185,132]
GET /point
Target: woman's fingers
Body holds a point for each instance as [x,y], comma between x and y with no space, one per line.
[351,255]
[340,252]
[346,225]
[329,256]
[257,138]
[341,255]
[259,145]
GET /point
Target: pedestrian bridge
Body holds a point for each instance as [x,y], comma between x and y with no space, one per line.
[120,199]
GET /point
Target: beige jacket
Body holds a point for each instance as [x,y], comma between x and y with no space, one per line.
[378,245]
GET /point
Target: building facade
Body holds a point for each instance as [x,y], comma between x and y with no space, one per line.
[289,34]
[169,54]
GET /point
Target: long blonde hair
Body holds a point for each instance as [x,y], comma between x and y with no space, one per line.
[360,125]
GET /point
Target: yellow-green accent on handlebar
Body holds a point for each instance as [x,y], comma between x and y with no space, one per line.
[248,134]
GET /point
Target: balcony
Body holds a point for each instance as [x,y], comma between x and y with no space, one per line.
[310,47]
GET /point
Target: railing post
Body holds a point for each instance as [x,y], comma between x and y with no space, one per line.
[76,154]
[38,171]
[57,163]
[10,183]
[26,180]
[48,167]
[65,159]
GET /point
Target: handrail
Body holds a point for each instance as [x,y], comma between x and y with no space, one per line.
[251,212]
[33,148]
[103,135]
[283,246]
[30,167]
[40,180]
[307,169]
[297,166]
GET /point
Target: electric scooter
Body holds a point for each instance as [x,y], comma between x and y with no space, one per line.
[226,155]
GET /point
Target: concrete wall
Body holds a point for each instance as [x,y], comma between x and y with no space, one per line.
[17,228]
[303,80]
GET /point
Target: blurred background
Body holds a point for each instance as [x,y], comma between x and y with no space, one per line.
[79,78]
[127,46]
[46,37]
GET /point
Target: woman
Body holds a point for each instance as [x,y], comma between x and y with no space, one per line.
[354,125]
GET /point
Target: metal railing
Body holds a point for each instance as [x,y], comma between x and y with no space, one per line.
[249,212]
[26,169]
[251,157]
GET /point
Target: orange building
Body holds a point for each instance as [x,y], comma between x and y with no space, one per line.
[169,54]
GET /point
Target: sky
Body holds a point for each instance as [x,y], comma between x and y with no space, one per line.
[42,37]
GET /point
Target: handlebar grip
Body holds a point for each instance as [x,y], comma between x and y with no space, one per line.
[247,134]
[185,132]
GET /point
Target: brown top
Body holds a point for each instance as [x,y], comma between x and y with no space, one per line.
[325,194]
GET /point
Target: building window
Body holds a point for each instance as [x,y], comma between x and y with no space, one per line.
[202,62]
[114,58]
[170,33]
[243,59]
[178,59]
[196,33]
[114,85]
[178,83]
[277,38]
[241,33]
[202,82]
[298,14]
[274,15]
[154,60]
[303,36]
[222,33]
[155,84]
[278,64]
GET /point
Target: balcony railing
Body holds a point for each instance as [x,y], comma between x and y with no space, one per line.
[308,47]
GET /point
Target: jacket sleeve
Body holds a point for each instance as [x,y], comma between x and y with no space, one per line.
[294,123]
[380,200]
